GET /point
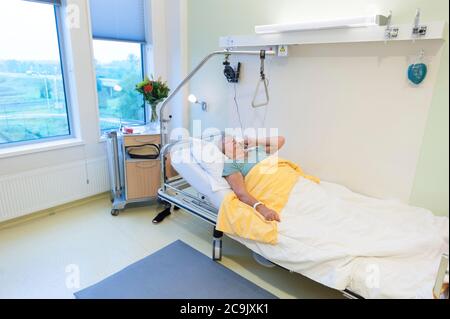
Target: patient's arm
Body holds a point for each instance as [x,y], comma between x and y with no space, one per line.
[272,144]
[237,184]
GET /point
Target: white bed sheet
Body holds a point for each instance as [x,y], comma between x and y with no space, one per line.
[311,240]
[344,240]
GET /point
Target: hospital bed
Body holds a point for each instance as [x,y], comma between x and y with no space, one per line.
[190,190]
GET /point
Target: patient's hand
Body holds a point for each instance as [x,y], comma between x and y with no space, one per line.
[268,214]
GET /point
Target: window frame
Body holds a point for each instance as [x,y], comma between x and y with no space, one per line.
[66,87]
[143,72]
[142,45]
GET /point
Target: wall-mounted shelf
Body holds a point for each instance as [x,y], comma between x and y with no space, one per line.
[435,31]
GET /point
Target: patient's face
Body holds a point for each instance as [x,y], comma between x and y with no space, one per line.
[232,148]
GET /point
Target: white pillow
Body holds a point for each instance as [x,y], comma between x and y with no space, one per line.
[211,160]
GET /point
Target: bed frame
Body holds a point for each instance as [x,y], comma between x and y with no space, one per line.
[177,193]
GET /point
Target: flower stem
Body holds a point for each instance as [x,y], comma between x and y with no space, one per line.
[154,117]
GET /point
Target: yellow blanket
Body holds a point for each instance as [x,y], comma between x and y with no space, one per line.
[270,182]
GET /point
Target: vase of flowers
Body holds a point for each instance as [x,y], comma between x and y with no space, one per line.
[154,92]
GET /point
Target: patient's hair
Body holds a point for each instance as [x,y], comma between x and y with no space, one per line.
[221,143]
[223,140]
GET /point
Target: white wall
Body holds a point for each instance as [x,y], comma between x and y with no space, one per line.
[348,112]
[169,40]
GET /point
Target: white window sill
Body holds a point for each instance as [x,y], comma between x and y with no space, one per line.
[39,147]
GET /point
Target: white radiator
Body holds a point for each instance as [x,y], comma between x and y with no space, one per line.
[43,188]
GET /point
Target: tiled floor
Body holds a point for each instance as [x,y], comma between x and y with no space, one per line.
[40,258]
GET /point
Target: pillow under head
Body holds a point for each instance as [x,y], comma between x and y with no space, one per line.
[211,160]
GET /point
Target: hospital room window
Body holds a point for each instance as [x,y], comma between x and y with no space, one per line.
[118,67]
[32,93]
[119,37]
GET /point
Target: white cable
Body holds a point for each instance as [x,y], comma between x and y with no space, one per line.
[237,107]
[237,104]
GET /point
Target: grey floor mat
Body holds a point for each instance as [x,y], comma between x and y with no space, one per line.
[177,271]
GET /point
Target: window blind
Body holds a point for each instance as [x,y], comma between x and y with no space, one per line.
[121,20]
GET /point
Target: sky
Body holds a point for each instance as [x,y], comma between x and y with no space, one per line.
[107,51]
[28,32]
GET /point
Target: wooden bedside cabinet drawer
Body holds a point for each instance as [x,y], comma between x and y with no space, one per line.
[136,140]
[143,178]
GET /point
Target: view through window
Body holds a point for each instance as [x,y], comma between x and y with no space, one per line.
[118,67]
[32,97]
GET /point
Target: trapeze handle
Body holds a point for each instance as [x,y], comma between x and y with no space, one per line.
[266,92]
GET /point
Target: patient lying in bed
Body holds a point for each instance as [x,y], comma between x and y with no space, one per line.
[244,156]
[378,248]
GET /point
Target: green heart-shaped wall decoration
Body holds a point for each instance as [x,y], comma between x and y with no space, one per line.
[417,73]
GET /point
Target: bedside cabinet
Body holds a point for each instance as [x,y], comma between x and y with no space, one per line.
[132,180]
[142,176]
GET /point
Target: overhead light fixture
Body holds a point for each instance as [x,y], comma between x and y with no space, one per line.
[193,99]
[353,22]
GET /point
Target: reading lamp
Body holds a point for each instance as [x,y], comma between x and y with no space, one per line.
[193,99]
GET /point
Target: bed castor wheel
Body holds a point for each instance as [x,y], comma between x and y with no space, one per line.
[115,212]
[176,207]
[217,245]
[217,250]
